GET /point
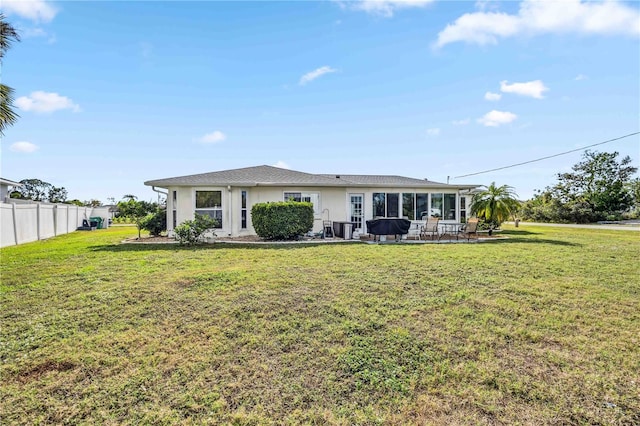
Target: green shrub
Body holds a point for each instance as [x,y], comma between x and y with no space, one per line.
[192,231]
[285,220]
[155,223]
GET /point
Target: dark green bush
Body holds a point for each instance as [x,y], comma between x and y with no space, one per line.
[155,223]
[285,220]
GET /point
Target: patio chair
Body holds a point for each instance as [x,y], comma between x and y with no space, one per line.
[469,229]
[430,228]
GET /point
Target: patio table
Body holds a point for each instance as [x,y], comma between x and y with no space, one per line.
[449,228]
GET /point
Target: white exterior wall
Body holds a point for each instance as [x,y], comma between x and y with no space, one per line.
[334,203]
[186,204]
[4,191]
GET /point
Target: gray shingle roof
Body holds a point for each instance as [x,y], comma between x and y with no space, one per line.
[249,176]
[274,176]
[383,180]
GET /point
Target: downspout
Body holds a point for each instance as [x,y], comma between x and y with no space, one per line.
[166,194]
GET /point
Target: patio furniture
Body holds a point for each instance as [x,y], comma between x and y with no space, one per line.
[415,229]
[450,229]
[388,226]
[430,228]
[469,229]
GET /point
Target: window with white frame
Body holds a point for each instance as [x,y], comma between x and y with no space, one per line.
[209,203]
[174,208]
[243,210]
[386,204]
[307,197]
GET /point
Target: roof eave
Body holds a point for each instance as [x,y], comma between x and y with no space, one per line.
[165,184]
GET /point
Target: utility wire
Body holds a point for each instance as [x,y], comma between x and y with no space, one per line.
[547,157]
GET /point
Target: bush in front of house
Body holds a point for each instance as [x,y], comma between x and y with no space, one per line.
[284,220]
[191,232]
[155,223]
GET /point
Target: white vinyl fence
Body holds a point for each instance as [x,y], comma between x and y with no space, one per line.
[26,222]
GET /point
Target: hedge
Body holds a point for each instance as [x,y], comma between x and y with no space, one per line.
[283,220]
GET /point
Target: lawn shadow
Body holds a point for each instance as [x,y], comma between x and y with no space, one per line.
[216,246]
[530,241]
[518,232]
[292,246]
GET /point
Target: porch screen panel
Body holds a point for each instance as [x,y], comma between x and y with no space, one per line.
[422,205]
[379,204]
[449,210]
[463,209]
[436,205]
[210,203]
[409,205]
[393,204]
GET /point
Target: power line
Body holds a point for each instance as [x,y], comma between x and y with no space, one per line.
[547,157]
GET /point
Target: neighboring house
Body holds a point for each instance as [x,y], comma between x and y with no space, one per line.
[228,196]
[6,187]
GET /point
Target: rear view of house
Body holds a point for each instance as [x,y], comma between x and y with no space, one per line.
[228,196]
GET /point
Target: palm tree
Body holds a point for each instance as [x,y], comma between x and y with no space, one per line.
[495,204]
[8,116]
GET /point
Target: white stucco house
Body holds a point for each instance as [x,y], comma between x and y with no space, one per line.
[6,186]
[228,196]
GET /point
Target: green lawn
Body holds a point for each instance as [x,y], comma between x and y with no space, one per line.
[540,328]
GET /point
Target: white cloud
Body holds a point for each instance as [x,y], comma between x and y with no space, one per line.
[543,17]
[497,118]
[384,8]
[434,131]
[534,89]
[580,77]
[463,122]
[490,96]
[486,4]
[312,75]
[45,102]
[213,137]
[24,146]
[35,10]
[281,164]
[37,32]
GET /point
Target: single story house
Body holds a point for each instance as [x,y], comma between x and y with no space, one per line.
[6,187]
[228,196]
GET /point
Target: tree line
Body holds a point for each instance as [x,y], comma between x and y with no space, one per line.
[601,187]
[39,190]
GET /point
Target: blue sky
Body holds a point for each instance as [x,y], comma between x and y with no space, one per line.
[111,94]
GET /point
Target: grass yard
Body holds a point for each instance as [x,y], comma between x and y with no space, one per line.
[542,328]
